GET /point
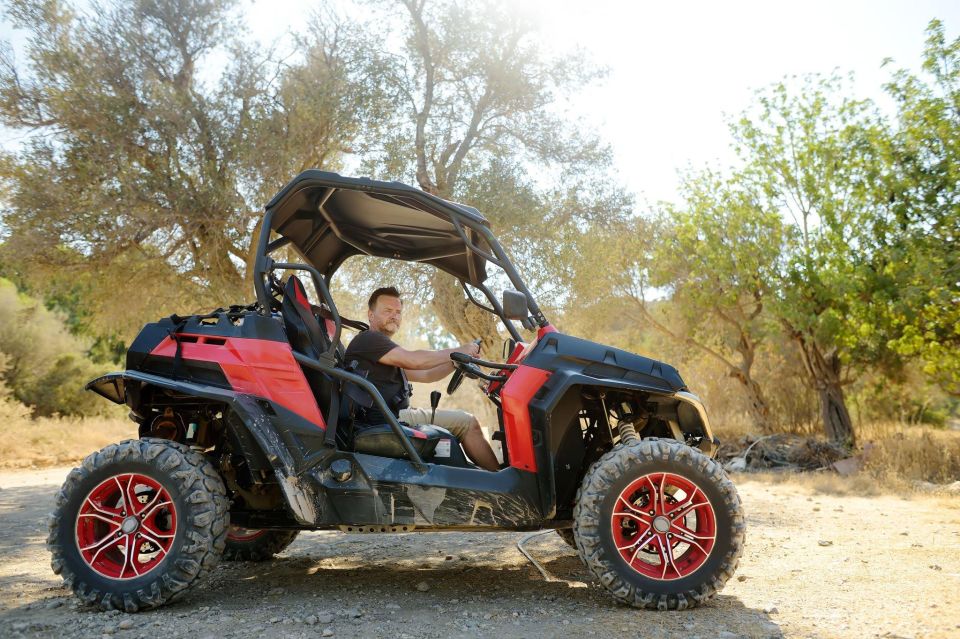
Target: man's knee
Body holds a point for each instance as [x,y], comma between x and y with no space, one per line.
[474,427]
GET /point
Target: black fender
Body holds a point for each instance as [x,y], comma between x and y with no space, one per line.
[254,424]
[593,364]
[553,407]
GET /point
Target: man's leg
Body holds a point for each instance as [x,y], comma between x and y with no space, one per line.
[464,427]
[478,448]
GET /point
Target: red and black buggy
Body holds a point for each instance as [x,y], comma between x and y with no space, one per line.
[246,432]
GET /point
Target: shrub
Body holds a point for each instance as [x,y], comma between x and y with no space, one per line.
[43,364]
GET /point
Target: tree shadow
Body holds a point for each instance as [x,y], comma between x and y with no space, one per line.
[518,601]
[441,584]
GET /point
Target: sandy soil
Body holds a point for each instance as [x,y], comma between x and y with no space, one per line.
[815,565]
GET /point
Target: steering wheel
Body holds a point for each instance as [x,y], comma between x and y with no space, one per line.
[455,381]
[458,374]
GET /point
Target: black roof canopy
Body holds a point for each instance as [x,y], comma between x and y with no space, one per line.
[328,218]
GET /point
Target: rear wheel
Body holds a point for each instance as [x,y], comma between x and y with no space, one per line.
[659,524]
[251,544]
[137,524]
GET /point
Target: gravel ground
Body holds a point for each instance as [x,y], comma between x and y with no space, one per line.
[815,566]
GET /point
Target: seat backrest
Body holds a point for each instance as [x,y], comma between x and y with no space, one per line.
[308,337]
[306,334]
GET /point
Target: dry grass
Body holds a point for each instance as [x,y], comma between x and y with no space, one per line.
[912,453]
[26,442]
[896,458]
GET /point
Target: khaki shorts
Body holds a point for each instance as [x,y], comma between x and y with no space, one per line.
[456,421]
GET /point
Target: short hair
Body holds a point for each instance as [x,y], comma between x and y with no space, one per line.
[389,291]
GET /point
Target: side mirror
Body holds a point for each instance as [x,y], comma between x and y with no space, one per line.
[514,305]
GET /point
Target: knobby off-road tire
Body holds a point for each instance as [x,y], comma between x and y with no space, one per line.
[137,524]
[566,534]
[642,559]
[248,544]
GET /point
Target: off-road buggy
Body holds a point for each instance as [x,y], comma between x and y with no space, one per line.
[247,434]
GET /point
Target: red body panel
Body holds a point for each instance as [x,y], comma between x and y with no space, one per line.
[518,349]
[515,398]
[546,329]
[259,367]
[516,357]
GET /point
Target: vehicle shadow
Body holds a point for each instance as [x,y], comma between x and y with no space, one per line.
[401,580]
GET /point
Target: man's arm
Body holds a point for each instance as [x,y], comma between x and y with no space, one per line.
[431,374]
[423,360]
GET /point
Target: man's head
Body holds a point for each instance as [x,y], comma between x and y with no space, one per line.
[384,310]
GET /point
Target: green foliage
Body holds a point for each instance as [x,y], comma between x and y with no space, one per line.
[923,188]
[831,239]
[44,365]
[719,255]
[60,388]
[814,153]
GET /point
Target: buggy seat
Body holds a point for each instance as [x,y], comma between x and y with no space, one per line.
[309,337]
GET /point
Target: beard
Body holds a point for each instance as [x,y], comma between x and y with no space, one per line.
[389,328]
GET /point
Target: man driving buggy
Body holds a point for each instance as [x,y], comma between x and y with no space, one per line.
[386,364]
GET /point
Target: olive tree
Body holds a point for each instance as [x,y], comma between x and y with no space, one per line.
[154,134]
[815,154]
[476,119]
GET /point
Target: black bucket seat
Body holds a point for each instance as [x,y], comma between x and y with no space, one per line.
[308,337]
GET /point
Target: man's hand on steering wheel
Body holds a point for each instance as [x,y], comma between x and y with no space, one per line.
[472,349]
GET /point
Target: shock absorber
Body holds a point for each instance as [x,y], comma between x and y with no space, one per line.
[628,424]
[628,433]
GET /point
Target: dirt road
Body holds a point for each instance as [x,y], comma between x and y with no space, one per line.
[815,566]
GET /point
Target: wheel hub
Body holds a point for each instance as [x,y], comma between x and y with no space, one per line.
[126,526]
[129,525]
[664,526]
[661,524]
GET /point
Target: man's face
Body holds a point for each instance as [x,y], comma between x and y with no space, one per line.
[385,315]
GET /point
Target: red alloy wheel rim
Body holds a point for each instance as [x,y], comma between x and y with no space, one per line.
[126,526]
[237,533]
[663,526]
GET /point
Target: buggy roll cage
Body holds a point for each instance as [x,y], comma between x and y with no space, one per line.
[317,188]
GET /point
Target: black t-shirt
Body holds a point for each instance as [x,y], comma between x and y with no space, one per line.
[367,348]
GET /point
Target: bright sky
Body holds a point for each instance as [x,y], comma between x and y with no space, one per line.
[676,68]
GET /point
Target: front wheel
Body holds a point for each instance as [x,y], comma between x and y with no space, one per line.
[659,524]
[137,524]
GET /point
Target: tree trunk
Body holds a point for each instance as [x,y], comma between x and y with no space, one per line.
[836,417]
[462,318]
[756,403]
[824,372]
